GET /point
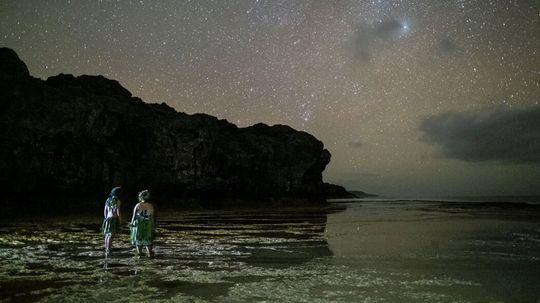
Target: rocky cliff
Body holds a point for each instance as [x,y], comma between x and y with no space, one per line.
[82,135]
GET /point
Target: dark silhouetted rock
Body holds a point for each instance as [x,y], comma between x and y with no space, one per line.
[11,64]
[333,191]
[82,135]
[361,194]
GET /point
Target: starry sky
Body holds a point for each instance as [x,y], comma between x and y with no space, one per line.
[411,97]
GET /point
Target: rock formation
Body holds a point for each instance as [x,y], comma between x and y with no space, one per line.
[332,191]
[82,135]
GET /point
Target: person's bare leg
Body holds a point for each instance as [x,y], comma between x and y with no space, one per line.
[139,250]
[111,243]
[107,243]
[149,250]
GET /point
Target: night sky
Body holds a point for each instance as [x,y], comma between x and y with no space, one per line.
[412,98]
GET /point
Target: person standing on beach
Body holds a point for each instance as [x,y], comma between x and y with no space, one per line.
[111,221]
[143,224]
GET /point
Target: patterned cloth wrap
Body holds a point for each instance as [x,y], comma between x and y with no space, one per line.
[142,229]
[111,225]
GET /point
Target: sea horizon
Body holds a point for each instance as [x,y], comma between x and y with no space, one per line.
[529,199]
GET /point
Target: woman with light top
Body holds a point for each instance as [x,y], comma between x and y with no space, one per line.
[111,221]
[143,224]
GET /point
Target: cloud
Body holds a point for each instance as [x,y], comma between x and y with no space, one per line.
[362,44]
[506,136]
[369,39]
[447,45]
[387,28]
[355,144]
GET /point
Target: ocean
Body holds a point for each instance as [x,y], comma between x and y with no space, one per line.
[362,250]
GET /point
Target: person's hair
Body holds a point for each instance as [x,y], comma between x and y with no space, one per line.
[115,192]
[144,195]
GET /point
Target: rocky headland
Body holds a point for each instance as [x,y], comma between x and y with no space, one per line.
[69,137]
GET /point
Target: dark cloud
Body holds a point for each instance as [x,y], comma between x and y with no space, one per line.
[355,144]
[387,28]
[508,136]
[362,44]
[448,46]
[369,39]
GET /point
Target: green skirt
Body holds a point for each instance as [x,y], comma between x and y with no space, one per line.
[142,232]
[110,225]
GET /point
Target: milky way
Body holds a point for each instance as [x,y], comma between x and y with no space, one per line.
[365,77]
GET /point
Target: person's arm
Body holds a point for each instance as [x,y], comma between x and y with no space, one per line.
[118,213]
[105,211]
[134,212]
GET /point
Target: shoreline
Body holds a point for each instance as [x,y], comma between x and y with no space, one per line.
[528,199]
[163,211]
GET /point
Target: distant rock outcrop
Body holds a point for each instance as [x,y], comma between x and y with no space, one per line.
[333,191]
[84,134]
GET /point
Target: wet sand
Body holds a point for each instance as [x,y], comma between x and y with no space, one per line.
[371,252]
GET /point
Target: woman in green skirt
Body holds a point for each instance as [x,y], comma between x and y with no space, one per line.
[111,223]
[143,224]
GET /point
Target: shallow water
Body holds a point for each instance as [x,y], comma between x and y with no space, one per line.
[370,252]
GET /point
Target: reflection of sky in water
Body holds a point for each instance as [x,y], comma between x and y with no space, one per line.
[371,252]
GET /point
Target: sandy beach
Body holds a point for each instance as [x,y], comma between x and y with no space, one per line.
[391,251]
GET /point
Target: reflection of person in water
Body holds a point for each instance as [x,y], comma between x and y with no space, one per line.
[111,223]
[143,224]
